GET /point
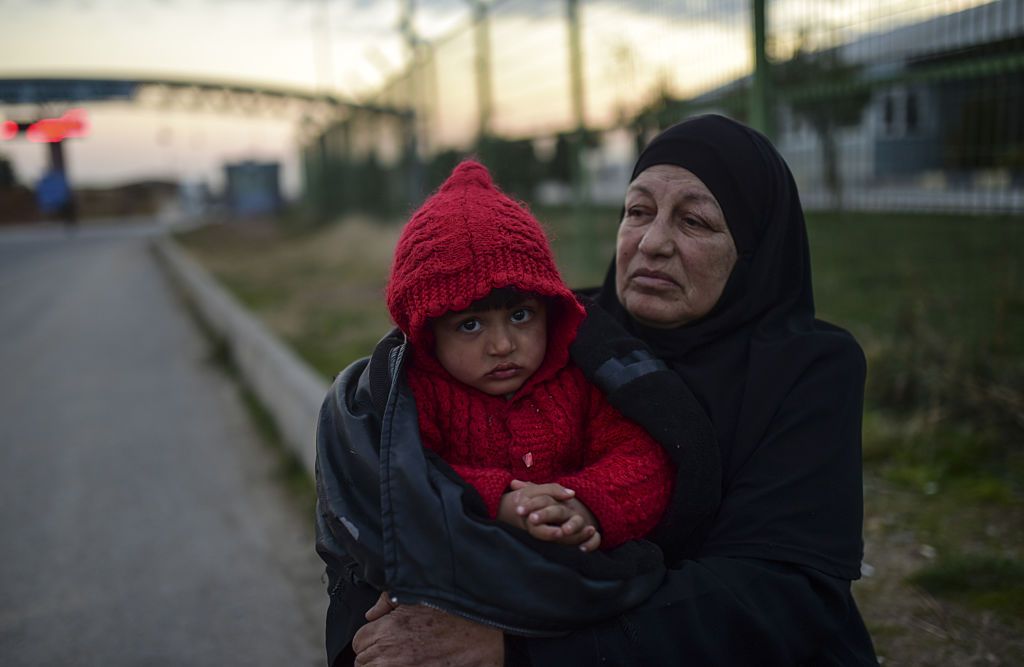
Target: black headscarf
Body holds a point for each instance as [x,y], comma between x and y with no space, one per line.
[760,340]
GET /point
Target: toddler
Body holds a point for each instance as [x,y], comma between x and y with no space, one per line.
[475,289]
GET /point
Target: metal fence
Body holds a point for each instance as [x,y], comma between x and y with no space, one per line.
[882,104]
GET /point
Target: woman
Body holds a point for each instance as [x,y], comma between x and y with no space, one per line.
[712,272]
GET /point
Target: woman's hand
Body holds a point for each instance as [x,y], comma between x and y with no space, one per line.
[382,607]
[411,635]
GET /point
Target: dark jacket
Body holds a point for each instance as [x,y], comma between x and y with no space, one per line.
[716,606]
[394,516]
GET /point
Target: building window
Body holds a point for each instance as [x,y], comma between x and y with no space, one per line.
[911,113]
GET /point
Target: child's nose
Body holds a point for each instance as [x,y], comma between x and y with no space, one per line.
[501,342]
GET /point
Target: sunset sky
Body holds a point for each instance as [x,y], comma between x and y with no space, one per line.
[262,41]
[351,47]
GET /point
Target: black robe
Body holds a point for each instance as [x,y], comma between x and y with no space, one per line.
[769,582]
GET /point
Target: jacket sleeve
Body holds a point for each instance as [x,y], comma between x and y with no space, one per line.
[626,480]
[490,483]
[347,425]
[771,584]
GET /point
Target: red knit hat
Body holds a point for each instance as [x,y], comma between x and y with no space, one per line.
[468,239]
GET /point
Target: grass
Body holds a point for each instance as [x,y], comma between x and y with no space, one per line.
[982,581]
[321,292]
[965,275]
[288,469]
[938,305]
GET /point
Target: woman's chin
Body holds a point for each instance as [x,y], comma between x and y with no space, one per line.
[654,311]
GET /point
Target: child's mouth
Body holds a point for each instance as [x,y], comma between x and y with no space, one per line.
[504,371]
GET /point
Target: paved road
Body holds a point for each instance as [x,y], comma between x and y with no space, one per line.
[139,520]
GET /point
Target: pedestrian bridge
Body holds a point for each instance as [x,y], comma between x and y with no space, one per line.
[206,94]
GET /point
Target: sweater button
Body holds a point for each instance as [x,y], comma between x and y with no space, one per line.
[528,459]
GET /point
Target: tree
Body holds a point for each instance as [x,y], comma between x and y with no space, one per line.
[828,94]
[512,163]
[664,110]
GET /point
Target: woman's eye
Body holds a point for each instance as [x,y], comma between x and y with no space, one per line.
[521,315]
[693,222]
[470,326]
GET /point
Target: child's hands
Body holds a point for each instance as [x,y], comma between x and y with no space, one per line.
[581,526]
[550,512]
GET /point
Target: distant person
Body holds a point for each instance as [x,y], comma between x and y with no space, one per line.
[712,271]
[488,320]
[54,197]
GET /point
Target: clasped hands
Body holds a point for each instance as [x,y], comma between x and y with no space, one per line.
[550,512]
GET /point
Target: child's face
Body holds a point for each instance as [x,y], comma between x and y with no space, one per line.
[495,350]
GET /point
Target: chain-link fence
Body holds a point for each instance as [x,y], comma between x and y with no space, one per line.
[886,105]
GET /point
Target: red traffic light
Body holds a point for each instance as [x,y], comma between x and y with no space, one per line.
[8,130]
[50,130]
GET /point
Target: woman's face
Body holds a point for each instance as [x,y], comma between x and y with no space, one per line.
[674,251]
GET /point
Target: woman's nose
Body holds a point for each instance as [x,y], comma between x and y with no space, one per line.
[657,239]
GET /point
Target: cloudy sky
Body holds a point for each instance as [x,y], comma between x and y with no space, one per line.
[350,47]
[346,46]
[282,41]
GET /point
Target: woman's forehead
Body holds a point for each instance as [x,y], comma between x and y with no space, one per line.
[668,174]
[679,183]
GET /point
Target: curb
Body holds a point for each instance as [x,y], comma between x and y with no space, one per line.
[284,384]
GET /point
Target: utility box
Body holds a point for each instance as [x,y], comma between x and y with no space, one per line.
[253,188]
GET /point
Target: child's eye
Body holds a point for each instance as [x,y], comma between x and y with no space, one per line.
[521,315]
[470,326]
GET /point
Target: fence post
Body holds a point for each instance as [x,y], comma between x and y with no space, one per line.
[417,112]
[485,102]
[760,105]
[584,241]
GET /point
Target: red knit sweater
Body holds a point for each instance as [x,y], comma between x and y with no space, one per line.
[466,240]
[558,430]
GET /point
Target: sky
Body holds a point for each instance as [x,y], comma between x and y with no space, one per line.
[352,47]
[262,41]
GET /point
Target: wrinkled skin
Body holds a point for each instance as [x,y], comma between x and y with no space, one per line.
[412,636]
[674,251]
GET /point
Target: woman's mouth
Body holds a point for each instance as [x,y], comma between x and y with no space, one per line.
[504,371]
[646,278]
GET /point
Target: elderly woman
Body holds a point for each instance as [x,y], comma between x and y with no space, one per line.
[712,275]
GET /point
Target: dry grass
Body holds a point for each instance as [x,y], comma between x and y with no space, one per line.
[323,293]
[909,625]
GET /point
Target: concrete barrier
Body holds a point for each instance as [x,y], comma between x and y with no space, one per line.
[287,387]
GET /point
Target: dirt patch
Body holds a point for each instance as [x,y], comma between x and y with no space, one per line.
[910,626]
